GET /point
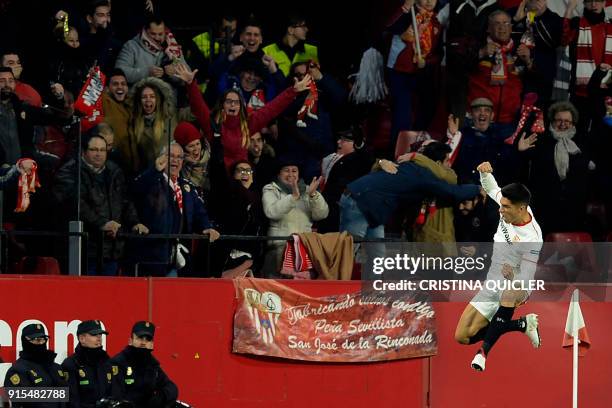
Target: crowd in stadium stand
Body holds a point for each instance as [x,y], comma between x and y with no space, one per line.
[223,133]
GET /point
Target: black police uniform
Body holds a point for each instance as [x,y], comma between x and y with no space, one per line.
[88,370]
[89,376]
[35,368]
[139,377]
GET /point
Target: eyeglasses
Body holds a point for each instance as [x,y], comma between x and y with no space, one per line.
[232,101]
[244,171]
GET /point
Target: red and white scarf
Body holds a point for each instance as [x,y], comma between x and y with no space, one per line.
[296,261]
[173,50]
[538,124]
[585,62]
[503,62]
[310,106]
[27,184]
[178,194]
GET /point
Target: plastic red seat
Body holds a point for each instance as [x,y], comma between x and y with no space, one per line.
[377,128]
[37,265]
[568,237]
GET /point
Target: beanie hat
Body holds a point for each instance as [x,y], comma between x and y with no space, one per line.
[186,133]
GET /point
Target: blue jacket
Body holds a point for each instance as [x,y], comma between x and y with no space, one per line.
[477,147]
[158,210]
[307,146]
[379,194]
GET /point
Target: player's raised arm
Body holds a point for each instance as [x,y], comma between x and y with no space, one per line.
[488,181]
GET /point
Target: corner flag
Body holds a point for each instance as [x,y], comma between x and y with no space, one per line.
[575,327]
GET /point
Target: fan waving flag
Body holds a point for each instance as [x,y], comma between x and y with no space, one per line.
[89,102]
[575,319]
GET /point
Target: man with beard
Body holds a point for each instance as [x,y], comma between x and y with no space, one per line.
[139,377]
[17,119]
[35,366]
[154,52]
[25,92]
[116,111]
[555,168]
[98,40]
[480,141]
[88,371]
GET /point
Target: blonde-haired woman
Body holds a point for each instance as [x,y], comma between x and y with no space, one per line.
[152,119]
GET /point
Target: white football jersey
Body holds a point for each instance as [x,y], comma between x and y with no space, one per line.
[516,245]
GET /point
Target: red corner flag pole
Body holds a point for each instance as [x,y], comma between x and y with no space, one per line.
[577,337]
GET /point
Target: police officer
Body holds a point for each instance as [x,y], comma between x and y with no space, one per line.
[88,370]
[35,366]
[139,375]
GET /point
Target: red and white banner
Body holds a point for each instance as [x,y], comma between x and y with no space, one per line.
[89,102]
[274,320]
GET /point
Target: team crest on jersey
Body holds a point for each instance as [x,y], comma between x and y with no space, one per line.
[15,380]
[516,238]
[81,373]
[115,370]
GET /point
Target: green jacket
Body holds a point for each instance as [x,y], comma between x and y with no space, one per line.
[282,59]
[202,41]
[440,227]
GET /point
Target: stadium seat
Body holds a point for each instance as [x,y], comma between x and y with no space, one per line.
[609,237]
[37,265]
[405,141]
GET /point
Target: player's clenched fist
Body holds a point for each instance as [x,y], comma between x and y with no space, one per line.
[485,167]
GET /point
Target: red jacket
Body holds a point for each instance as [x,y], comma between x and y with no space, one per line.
[231,135]
[28,94]
[506,98]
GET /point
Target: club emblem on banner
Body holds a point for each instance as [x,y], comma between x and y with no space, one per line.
[264,310]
